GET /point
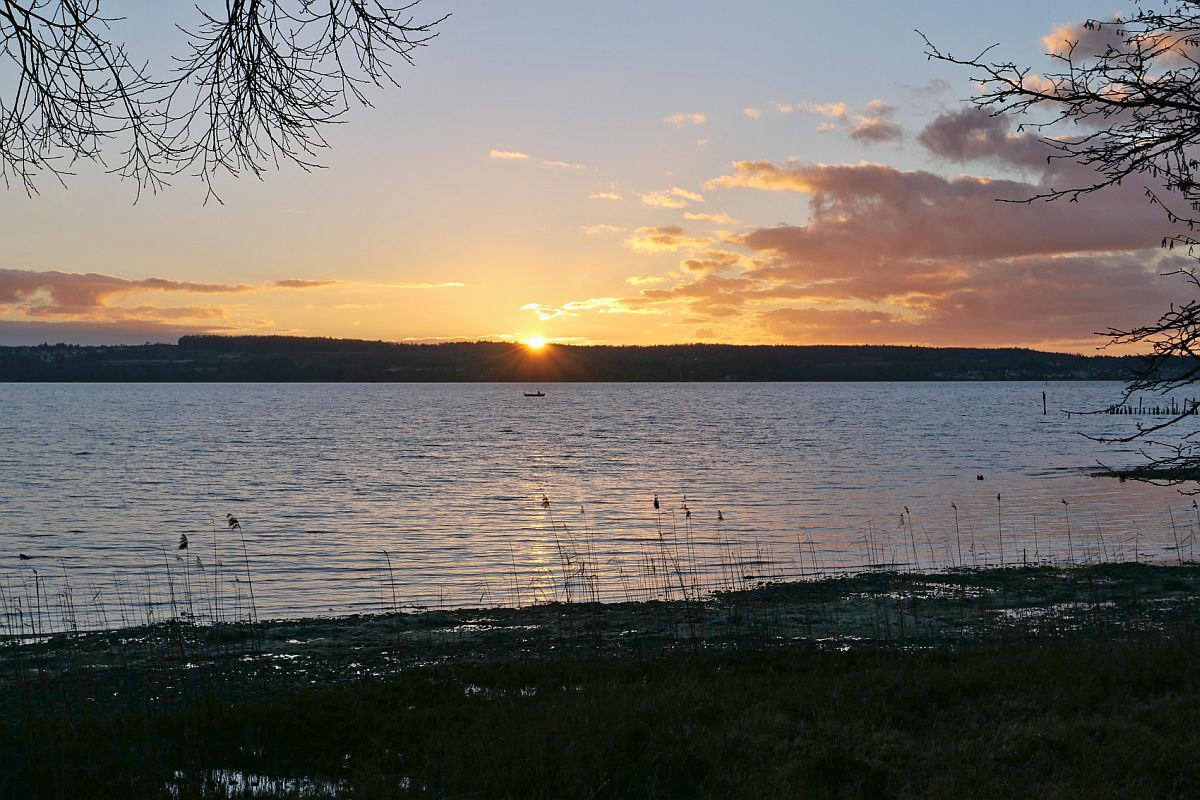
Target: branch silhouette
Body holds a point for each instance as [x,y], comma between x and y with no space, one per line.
[257,85]
[1123,99]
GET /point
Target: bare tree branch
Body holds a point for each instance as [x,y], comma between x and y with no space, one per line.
[1123,98]
[259,82]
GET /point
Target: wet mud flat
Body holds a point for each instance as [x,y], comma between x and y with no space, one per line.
[938,611]
[370,705]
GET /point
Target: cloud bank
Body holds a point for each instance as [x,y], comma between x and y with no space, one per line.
[911,256]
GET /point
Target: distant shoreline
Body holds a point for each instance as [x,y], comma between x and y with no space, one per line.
[281,359]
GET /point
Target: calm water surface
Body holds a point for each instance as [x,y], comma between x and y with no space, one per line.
[98,482]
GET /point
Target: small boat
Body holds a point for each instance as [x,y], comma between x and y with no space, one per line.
[538,393]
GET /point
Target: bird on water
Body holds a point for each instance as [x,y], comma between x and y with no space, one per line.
[656,506]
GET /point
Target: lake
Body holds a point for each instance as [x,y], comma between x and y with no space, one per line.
[365,497]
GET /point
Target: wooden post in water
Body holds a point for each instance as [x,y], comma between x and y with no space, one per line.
[1043,404]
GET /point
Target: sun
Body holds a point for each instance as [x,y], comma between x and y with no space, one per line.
[535,342]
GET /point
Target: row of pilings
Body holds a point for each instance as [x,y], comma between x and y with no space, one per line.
[1172,407]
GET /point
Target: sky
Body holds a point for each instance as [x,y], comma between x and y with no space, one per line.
[632,172]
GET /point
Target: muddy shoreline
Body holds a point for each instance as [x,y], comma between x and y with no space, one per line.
[1037,681]
[941,611]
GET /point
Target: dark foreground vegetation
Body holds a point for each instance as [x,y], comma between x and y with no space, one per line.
[1064,721]
[282,358]
[1022,682]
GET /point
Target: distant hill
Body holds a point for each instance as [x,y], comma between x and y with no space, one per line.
[294,359]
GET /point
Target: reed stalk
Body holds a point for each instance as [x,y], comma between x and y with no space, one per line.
[250,580]
[1070,544]
[1000,528]
[1175,534]
[957,535]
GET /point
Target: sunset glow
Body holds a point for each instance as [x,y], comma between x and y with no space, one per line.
[535,342]
[735,200]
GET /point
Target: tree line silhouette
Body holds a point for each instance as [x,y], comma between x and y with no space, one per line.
[286,359]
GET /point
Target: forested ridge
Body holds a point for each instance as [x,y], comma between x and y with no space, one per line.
[287,359]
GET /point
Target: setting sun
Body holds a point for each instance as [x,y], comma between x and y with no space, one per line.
[535,342]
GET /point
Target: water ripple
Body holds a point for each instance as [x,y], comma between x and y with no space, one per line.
[447,479]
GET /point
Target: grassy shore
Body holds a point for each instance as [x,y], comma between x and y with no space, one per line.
[1018,682]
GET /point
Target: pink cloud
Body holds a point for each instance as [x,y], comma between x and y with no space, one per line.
[1087,41]
[867,211]
[79,291]
[34,295]
[1020,302]
[876,125]
[976,135]
[913,257]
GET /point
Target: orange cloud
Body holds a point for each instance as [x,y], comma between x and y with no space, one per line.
[508,155]
[442,285]
[711,261]
[663,200]
[719,218]
[543,313]
[515,155]
[665,238]
[600,230]
[600,305]
[293,283]
[675,197]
